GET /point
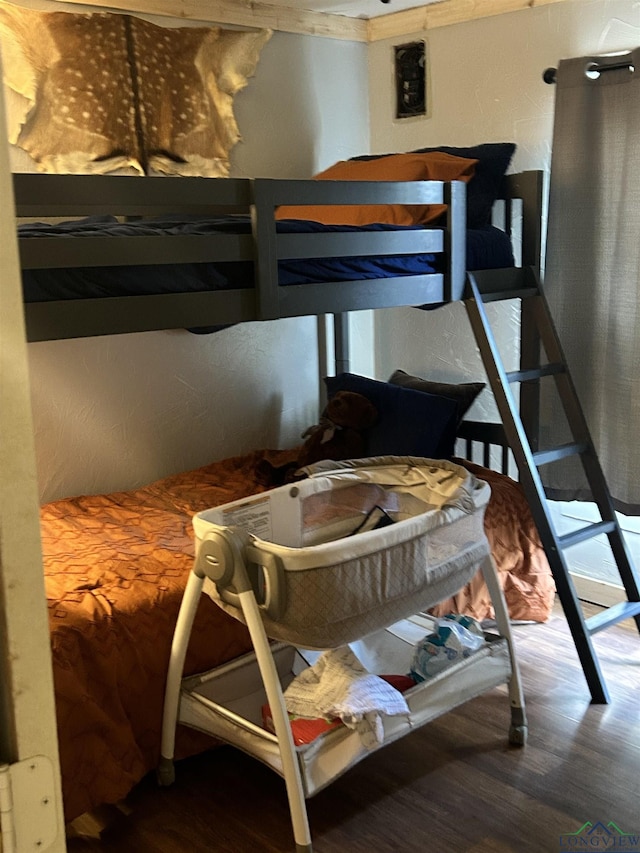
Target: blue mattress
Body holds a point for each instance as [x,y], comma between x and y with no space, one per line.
[487,248]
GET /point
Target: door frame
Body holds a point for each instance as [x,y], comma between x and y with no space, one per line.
[30,787]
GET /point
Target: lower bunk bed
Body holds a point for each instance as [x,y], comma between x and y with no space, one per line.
[116,567]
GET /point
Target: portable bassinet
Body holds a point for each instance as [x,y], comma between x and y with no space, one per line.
[348,555]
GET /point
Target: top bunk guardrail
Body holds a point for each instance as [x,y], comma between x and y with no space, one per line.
[519,212]
[331,297]
[54,311]
[257,244]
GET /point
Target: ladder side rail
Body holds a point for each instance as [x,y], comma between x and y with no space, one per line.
[573,411]
[593,470]
[530,358]
[534,492]
[529,188]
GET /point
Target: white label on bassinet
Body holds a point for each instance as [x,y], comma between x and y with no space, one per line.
[254,516]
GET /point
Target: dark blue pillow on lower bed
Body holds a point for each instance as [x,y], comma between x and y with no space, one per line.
[410,423]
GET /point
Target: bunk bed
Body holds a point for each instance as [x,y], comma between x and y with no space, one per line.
[116,565]
[240,262]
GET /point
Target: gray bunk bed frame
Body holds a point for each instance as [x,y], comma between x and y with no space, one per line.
[519,214]
[262,299]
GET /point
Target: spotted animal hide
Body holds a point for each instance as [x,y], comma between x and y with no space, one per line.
[99,92]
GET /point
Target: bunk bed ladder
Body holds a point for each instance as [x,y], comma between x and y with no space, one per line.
[538,328]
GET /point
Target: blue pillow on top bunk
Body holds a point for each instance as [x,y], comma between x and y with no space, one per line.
[410,423]
[484,188]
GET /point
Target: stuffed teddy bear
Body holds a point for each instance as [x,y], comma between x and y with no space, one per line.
[340,434]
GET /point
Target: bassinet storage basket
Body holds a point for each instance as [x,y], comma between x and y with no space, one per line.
[348,555]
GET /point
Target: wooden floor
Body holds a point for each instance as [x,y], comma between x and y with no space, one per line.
[451,787]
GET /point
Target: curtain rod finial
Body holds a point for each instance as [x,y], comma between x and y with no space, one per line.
[549,75]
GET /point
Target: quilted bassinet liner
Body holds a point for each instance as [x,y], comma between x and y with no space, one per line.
[339,590]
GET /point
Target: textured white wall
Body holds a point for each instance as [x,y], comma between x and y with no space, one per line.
[485,85]
[114,413]
[486,76]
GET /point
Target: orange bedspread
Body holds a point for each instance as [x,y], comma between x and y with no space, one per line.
[115,570]
[523,568]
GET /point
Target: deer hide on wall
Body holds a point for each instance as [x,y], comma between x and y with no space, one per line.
[93,93]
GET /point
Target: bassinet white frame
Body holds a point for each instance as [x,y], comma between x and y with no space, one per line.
[223,701]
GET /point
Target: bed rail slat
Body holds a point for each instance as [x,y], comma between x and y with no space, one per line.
[348,244]
[85,195]
[341,296]
[487,437]
[115,315]
[61,253]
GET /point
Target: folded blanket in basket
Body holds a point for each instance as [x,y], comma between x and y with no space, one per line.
[337,685]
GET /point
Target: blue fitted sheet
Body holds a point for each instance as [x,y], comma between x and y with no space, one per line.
[487,248]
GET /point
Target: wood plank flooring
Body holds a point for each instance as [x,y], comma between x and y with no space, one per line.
[454,786]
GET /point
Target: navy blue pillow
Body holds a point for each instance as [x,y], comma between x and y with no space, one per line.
[484,188]
[464,393]
[410,423]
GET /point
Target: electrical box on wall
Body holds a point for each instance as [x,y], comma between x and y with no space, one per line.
[411,79]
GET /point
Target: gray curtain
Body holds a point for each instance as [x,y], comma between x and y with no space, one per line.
[592,276]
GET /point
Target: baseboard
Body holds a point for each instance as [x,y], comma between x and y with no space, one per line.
[597,592]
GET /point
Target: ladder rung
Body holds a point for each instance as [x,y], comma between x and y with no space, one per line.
[536,372]
[584,533]
[499,295]
[543,457]
[612,615]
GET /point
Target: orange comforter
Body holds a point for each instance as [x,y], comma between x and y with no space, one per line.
[523,568]
[115,570]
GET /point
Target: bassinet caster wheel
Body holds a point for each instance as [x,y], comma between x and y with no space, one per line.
[518,735]
[518,730]
[165,772]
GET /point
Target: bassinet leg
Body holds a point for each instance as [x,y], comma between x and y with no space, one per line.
[165,772]
[273,689]
[518,729]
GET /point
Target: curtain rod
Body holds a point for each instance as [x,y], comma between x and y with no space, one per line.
[550,74]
